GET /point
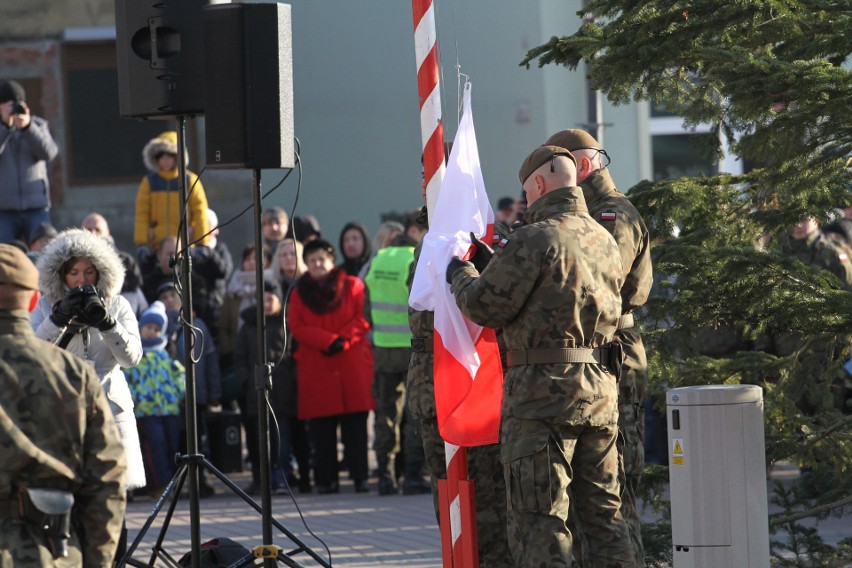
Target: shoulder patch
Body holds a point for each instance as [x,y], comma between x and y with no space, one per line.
[500,242]
[607,216]
[843,257]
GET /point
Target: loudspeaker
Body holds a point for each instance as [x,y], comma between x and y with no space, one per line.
[248,86]
[159,55]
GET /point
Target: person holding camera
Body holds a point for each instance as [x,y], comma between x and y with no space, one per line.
[26,147]
[82,310]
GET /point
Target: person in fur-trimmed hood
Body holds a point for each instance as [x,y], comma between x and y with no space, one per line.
[158,210]
[81,308]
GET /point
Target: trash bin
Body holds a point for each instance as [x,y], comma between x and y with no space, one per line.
[224,431]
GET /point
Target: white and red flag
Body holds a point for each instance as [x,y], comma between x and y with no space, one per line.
[468,374]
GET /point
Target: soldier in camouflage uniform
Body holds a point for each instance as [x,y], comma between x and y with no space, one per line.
[554,289]
[56,432]
[612,210]
[483,462]
[808,244]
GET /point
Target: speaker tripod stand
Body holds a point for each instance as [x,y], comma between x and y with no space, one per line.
[189,465]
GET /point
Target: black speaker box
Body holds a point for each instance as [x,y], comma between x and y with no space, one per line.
[248,86]
[159,49]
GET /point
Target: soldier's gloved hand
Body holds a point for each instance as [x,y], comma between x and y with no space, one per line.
[483,254]
[65,309]
[455,265]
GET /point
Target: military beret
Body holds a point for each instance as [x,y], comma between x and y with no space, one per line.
[540,156]
[16,268]
[573,139]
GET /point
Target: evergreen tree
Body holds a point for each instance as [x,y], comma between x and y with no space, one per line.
[773,79]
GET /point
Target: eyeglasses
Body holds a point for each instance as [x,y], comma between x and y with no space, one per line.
[600,151]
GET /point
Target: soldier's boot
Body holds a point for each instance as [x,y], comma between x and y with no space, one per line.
[387,482]
[414,483]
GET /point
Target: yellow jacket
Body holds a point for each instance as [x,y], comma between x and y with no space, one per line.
[158,208]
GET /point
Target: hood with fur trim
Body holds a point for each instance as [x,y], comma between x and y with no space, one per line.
[80,244]
[165,142]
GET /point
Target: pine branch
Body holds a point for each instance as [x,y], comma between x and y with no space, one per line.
[778,519]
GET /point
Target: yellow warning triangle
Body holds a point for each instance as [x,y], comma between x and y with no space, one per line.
[677,448]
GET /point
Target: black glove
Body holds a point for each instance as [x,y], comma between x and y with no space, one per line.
[336,347]
[483,254]
[65,309]
[95,313]
[456,264]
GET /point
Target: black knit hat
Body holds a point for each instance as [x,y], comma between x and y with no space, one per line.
[319,244]
[12,91]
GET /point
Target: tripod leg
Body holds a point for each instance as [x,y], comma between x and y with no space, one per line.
[174,487]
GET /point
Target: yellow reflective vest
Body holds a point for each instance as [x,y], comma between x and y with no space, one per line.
[387,281]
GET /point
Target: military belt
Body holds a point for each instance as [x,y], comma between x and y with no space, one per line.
[557,355]
[626,321]
[422,344]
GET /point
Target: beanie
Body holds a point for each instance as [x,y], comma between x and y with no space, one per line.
[12,91]
[156,314]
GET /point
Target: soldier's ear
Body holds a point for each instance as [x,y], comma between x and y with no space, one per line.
[34,300]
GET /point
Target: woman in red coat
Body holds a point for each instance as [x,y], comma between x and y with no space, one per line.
[334,365]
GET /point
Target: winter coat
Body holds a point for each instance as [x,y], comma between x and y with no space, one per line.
[283,394]
[24,155]
[320,313]
[108,350]
[158,198]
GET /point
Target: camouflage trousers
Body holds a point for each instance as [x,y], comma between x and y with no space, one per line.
[631,448]
[484,468]
[390,395]
[23,545]
[541,459]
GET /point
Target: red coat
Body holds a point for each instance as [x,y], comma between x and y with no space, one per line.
[341,383]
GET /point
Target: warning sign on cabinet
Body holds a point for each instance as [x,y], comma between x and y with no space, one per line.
[677,451]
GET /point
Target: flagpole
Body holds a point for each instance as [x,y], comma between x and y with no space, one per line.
[455,495]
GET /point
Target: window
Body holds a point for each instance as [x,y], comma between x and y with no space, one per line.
[101,147]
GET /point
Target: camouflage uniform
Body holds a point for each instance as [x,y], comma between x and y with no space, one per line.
[609,207]
[555,285]
[56,432]
[818,250]
[483,462]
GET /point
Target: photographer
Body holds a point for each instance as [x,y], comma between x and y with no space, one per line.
[26,147]
[80,278]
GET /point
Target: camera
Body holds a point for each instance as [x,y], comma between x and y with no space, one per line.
[19,107]
[91,305]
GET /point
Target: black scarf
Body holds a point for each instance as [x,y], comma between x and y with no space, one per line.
[322,296]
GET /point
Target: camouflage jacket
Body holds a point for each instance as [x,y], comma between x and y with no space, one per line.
[57,432]
[419,382]
[609,207]
[616,214]
[555,284]
[818,250]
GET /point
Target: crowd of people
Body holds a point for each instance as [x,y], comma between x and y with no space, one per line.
[570,267]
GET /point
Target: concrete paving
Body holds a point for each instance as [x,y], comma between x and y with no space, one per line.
[346,529]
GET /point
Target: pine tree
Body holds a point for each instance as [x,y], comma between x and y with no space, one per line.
[769,77]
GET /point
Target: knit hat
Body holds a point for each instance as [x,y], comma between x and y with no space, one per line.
[156,314]
[16,269]
[319,244]
[539,157]
[272,287]
[12,91]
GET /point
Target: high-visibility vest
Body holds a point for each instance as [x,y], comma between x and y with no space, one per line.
[387,281]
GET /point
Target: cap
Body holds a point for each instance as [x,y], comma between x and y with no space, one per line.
[573,139]
[319,244]
[155,313]
[505,203]
[16,268]
[12,91]
[44,230]
[272,287]
[165,287]
[539,157]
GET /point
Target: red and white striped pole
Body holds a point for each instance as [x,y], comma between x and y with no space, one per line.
[455,494]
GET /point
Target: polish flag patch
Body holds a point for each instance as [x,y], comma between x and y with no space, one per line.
[843,257]
[608,216]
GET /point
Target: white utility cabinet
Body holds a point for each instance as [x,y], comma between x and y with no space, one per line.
[717,474]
